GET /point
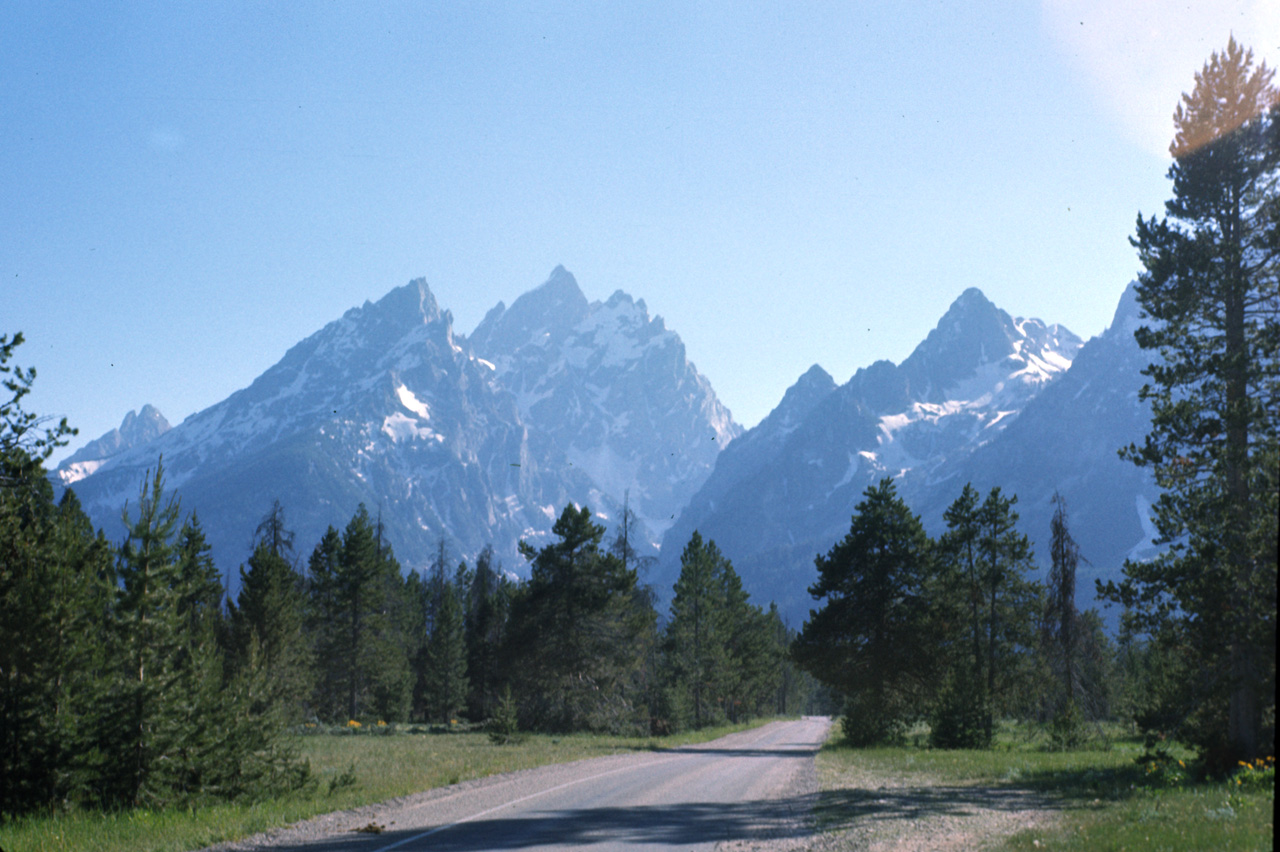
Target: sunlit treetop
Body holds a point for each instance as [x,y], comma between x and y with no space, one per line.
[1229,91]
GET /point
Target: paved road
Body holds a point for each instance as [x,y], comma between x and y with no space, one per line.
[739,787]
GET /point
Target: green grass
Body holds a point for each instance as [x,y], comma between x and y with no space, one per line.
[1103,799]
[384,765]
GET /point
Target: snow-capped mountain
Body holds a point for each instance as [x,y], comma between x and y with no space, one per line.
[390,407]
[613,389]
[384,406]
[1067,439]
[785,490]
[136,429]
[557,398]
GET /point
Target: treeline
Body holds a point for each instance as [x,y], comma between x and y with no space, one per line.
[951,631]
[128,677]
[576,647]
[117,684]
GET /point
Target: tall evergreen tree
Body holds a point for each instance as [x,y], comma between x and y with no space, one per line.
[56,591]
[1062,620]
[269,619]
[1011,603]
[863,640]
[153,636]
[358,602]
[751,654]
[325,612]
[32,599]
[19,429]
[446,655]
[696,644]
[1211,288]
[578,635]
[488,605]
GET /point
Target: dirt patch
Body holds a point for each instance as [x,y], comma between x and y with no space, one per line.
[861,809]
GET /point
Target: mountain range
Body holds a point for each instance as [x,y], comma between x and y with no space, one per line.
[482,439]
[985,399]
[389,407]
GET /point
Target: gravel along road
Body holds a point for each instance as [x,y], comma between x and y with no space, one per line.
[748,790]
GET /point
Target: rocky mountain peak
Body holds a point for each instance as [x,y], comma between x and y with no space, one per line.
[547,312]
[971,333]
[135,430]
[799,399]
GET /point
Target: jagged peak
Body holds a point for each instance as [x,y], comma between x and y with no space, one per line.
[135,429]
[807,391]
[148,419]
[414,299]
[971,296]
[973,331]
[556,305]
[1129,314]
[622,297]
[815,376]
[560,293]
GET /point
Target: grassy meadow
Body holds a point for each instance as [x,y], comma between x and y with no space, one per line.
[351,769]
[1100,797]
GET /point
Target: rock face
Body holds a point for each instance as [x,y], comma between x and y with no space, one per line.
[389,407]
[786,489]
[614,391]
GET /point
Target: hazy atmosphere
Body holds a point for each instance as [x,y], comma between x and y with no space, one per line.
[192,190]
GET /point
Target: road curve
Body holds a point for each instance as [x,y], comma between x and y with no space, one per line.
[740,787]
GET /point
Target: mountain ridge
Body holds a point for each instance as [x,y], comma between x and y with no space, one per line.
[388,406]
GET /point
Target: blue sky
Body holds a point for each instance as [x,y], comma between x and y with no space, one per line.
[192,188]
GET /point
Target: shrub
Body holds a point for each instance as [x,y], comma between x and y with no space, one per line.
[504,727]
[959,718]
[1066,729]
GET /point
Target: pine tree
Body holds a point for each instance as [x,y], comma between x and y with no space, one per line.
[33,600]
[391,637]
[357,615]
[489,602]
[863,640]
[1061,624]
[962,706]
[56,589]
[446,655]
[1211,288]
[324,611]
[269,619]
[695,644]
[1010,600]
[750,652]
[152,634]
[21,430]
[1070,640]
[579,633]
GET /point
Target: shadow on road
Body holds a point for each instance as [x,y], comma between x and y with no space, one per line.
[676,826]
[684,825]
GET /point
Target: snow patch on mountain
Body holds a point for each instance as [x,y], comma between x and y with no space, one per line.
[412,403]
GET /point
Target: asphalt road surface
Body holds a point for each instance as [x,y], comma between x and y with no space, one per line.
[742,787]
